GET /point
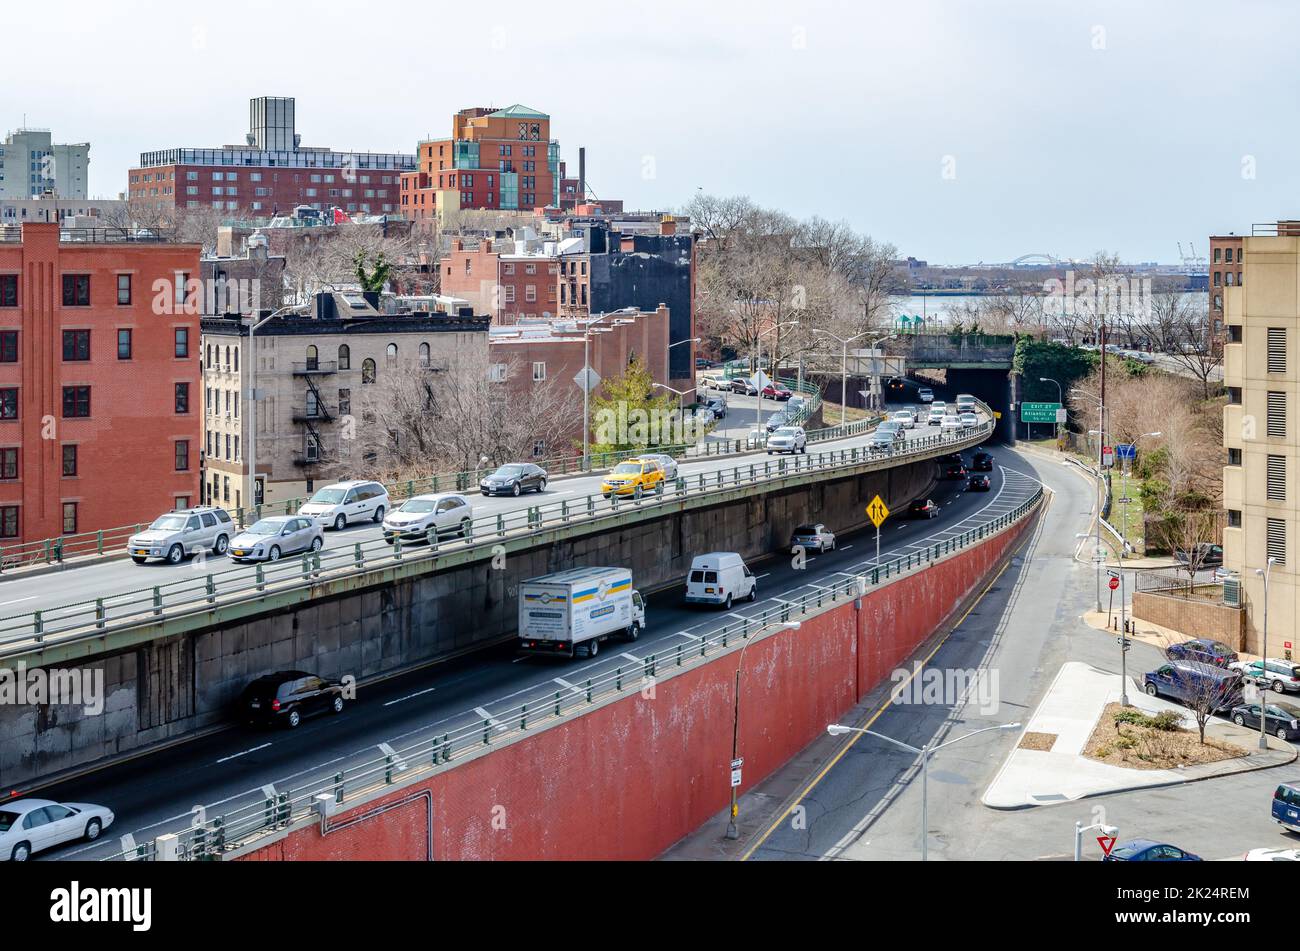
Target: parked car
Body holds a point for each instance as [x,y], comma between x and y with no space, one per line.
[1279,721]
[1281,676]
[1145,850]
[789,439]
[720,578]
[289,697]
[950,424]
[635,477]
[925,394]
[28,826]
[666,462]
[1187,680]
[178,534]
[1286,806]
[741,385]
[701,363]
[905,418]
[1204,650]
[922,508]
[514,478]
[981,462]
[448,513]
[775,391]
[1272,855]
[269,538]
[813,536]
[969,420]
[718,406]
[1207,555]
[978,483]
[341,504]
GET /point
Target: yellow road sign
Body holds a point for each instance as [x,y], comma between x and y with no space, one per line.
[997,415]
[877,511]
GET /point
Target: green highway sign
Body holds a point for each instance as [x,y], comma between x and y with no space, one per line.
[1038,412]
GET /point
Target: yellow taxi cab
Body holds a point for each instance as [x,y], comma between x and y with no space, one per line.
[635,477]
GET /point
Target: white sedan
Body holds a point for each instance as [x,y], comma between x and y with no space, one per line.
[28,826]
[950,424]
[905,418]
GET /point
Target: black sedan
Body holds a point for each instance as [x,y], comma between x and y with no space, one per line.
[981,462]
[289,697]
[922,508]
[514,478]
[977,483]
[954,470]
[1279,721]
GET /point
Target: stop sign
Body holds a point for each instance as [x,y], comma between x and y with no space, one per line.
[1114,583]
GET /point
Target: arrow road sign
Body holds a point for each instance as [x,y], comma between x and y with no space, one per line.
[877,511]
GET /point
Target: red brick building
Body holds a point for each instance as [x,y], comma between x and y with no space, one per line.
[100,391]
[1225,271]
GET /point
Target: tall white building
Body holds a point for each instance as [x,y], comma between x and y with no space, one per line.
[32,164]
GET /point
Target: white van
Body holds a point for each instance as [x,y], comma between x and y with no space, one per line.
[720,578]
[344,503]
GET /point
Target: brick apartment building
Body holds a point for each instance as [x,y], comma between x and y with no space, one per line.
[271,173]
[1225,271]
[100,424]
[494,159]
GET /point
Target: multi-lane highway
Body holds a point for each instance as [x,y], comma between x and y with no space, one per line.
[156,793]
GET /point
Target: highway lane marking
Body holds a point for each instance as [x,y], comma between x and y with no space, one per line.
[492,721]
[19,600]
[568,686]
[411,696]
[845,547]
[398,761]
[686,634]
[635,660]
[916,669]
[762,576]
[227,759]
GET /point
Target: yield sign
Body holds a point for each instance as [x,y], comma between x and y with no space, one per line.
[1107,842]
[877,511]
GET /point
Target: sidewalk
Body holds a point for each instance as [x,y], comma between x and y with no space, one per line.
[1069,712]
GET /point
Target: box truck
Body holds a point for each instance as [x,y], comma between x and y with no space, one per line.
[571,612]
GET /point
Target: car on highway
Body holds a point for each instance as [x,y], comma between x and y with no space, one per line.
[1147,850]
[894,428]
[1280,676]
[1279,721]
[813,535]
[719,578]
[978,483]
[789,439]
[666,462]
[1272,855]
[1286,806]
[1203,649]
[922,508]
[28,826]
[925,394]
[935,416]
[635,478]
[514,478]
[447,513]
[744,386]
[288,697]
[269,538]
[905,418]
[797,404]
[777,420]
[774,391]
[965,403]
[953,470]
[341,504]
[950,424]
[882,441]
[981,462]
[969,420]
[1188,681]
[176,535]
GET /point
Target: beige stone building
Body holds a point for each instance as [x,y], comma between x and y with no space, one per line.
[310,371]
[1261,433]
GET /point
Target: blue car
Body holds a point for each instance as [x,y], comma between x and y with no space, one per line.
[1286,806]
[1187,680]
[1147,850]
[1204,650]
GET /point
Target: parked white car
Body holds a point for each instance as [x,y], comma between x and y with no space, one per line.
[789,439]
[449,512]
[176,535]
[270,538]
[345,503]
[28,826]
[1280,676]
[950,424]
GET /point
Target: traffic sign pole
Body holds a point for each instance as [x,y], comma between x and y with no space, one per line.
[877,511]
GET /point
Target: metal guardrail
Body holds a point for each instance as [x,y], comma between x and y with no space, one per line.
[267,814]
[127,609]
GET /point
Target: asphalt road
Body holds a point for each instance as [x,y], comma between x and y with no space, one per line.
[155,793]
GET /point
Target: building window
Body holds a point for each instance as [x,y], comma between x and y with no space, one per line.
[1276,349]
[345,401]
[539,372]
[1275,539]
[390,355]
[9,403]
[76,290]
[539,448]
[8,346]
[69,518]
[530,293]
[124,344]
[76,345]
[1234,332]
[9,463]
[1275,483]
[182,398]
[1276,413]
[8,290]
[424,354]
[345,357]
[124,288]
[9,521]
[182,341]
[69,461]
[76,402]
[1234,457]
[367,370]
[183,455]
[313,358]
[497,373]
[1234,518]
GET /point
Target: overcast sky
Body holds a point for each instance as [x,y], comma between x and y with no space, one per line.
[961,131]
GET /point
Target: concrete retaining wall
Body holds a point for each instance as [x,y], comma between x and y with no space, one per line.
[1195,617]
[629,778]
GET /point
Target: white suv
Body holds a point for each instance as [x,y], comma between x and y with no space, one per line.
[177,534]
[339,505]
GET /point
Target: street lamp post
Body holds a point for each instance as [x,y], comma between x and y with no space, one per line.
[925,752]
[586,391]
[1060,398]
[1080,829]
[1101,442]
[732,831]
[758,367]
[1263,657]
[844,369]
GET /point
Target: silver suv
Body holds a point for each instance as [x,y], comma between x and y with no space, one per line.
[178,534]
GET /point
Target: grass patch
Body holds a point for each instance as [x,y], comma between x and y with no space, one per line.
[1132,739]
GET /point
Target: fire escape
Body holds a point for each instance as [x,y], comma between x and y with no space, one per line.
[313,414]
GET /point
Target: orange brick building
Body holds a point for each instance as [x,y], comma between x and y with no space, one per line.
[100,387]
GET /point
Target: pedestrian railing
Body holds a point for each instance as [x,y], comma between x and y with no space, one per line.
[206,591]
[278,806]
